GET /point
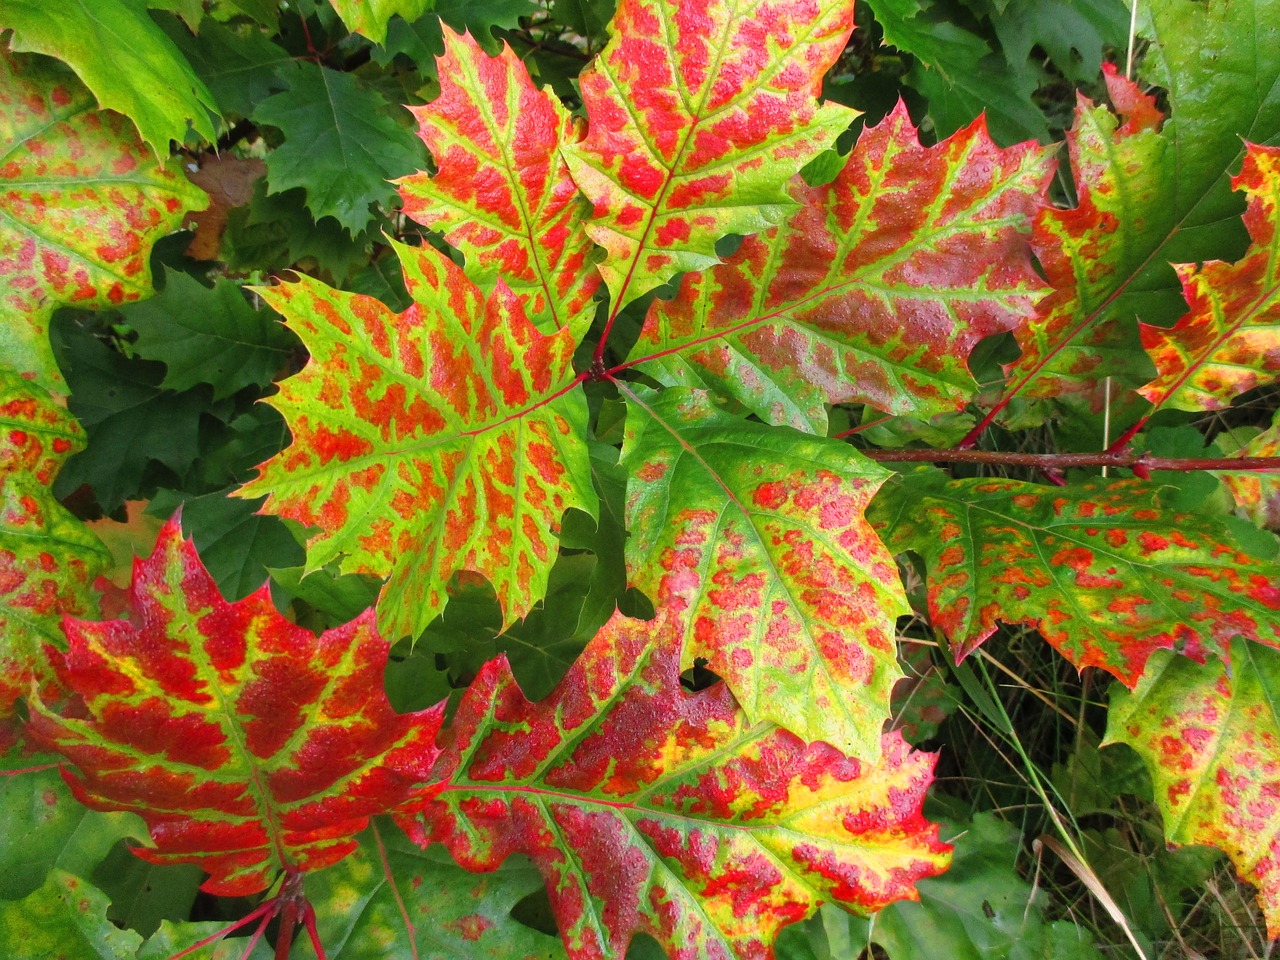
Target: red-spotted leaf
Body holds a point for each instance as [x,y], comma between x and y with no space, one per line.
[756,536]
[1105,573]
[1257,492]
[48,558]
[84,200]
[874,292]
[1229,340]
[698,115]
[503,195]
[249,745]
[440,439]
[1210,736]
[650,809]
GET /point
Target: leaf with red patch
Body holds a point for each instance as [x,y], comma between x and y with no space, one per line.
[503,195]
[249,745]
[48,558]
[440,439]
[84,201]
[698,115]
[1105,573]
[1210,735]
[755,535]
[1257,492]
[874,292]
[650,809]
[1229,340]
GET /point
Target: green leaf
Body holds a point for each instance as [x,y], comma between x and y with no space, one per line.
[341,145]
[123,58]
[369,17]
[695,123]
[66,918]
[414,432]
[755,538]
[240,65]
[84,202]
[210,335]
[172,938]
[390,899]
[1104,572]
[1210,736]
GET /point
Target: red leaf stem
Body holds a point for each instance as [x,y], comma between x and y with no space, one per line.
[1140,463]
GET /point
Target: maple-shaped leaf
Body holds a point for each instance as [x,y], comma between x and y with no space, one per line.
[874,291]
[698,115]
[65,918]
[249,745]
[757,537]
[651,809]
[1210,736]
[440,439]
[1105,573]
[1257,492]
[48,558]
[84,200]
[1229,340]
[369,17]
[503,195]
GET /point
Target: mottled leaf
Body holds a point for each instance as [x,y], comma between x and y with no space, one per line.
[369,17]
[83,200]
[756,536]
[248,744]
[440,439]
[1210,736]
[698,114]
[390,899]
[503,195]
[1229,340]
[874,292]
[649,809]
[1257,492]
[123,57]
[341,144]
[65,919]
[1105,573]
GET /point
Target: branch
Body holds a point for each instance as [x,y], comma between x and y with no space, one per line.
[1140,463]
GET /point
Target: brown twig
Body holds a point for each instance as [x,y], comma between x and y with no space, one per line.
[1140,463]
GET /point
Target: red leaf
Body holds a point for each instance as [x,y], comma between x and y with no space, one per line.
[249,745]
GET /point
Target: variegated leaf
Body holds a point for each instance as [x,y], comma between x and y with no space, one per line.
[756,537]
[650,809]
[1257,492]
[874,292]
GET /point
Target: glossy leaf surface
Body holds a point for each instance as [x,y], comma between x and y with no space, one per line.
[1105,573]
[697,115]
[502,194]
[1229,341]
[1210,736]
[431,441]
[874,292]
[649,809]
[248,744]
[84,201]
[757,537]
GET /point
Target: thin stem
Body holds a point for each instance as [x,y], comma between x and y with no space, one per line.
[1140,463]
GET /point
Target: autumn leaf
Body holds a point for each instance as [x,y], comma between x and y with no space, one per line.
[502,194]
[1229,340]
[84,201]
[1210,736]
[1106,574]
[440,439]
[1257,492]
[757,536]
[249,745]
[875,291]
[697,116]
[650,809]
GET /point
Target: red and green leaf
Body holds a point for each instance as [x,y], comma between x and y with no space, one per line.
[1257,492]
[756,537]
[502,194]
[84,201]
[698,115]
[1210,736]
[1105,573]
[48,558]
[441,439]
[650,809]
[1229,340]
[875,291]
[249,745]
